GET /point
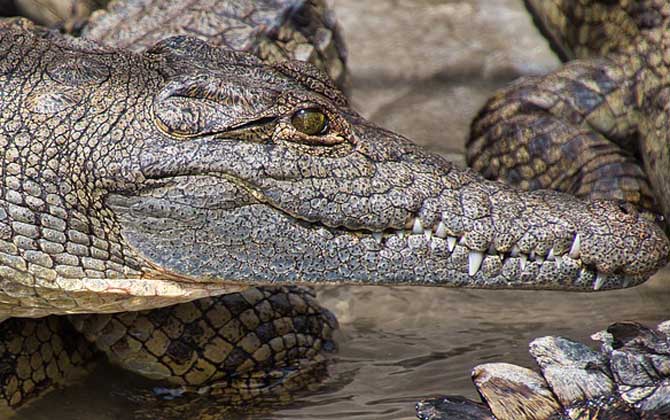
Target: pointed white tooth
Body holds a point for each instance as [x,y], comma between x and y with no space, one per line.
[441,231]
[539,258]
[475,259]
[492,250]
[515,251]
[417,228]
[429,234]
[401,234]
[531,256]
[626,282]
[451,243]
[523,258]
[377,236]
[559,260]
[576,246]
[600,281]
[550,255]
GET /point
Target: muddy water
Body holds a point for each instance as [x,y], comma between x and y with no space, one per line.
[399,345]
[421,68]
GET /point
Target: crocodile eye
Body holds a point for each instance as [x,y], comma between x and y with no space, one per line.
[310,121]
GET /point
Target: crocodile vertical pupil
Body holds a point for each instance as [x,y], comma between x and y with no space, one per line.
[310,121]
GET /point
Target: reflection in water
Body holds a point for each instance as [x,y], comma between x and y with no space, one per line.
[399,345]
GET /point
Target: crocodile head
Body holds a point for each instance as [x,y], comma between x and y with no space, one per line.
[191,168]
[264,174]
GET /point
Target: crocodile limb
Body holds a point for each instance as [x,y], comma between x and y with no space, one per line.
[272,30]
[35,355]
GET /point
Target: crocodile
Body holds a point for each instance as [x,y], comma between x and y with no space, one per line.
[197,176]
[596,128]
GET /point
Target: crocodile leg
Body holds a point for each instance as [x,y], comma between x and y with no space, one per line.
[564,131]
[577,129]
[298,30]
[587,28]
[240,346]
[36,354]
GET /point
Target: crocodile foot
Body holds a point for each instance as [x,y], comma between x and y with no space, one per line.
[629,378]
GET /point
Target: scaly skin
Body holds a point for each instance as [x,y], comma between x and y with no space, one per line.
[273,30]
[261,343]
[157,191]
[582,129]
[35,354]
[167,175]
[596,127]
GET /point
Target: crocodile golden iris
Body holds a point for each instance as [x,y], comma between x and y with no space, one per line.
[142,170]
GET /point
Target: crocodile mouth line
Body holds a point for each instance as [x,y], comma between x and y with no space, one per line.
[476,258]
[415,227]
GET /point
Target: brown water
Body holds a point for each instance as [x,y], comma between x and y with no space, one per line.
[418,68]
[397,345]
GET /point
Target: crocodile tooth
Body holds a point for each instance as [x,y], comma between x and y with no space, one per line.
[626,282]
[401,234]
[559,259]
[515,251]
[550,255]
[451,243]
[539,258]
[377,236]
[576,246]
[441,231]
[428,233]
[600,281]
[475,259]
[523,258]
[492,250]
[531,256]
[417,228]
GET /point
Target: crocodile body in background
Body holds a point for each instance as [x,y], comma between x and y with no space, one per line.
[597,127]
[133,180]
